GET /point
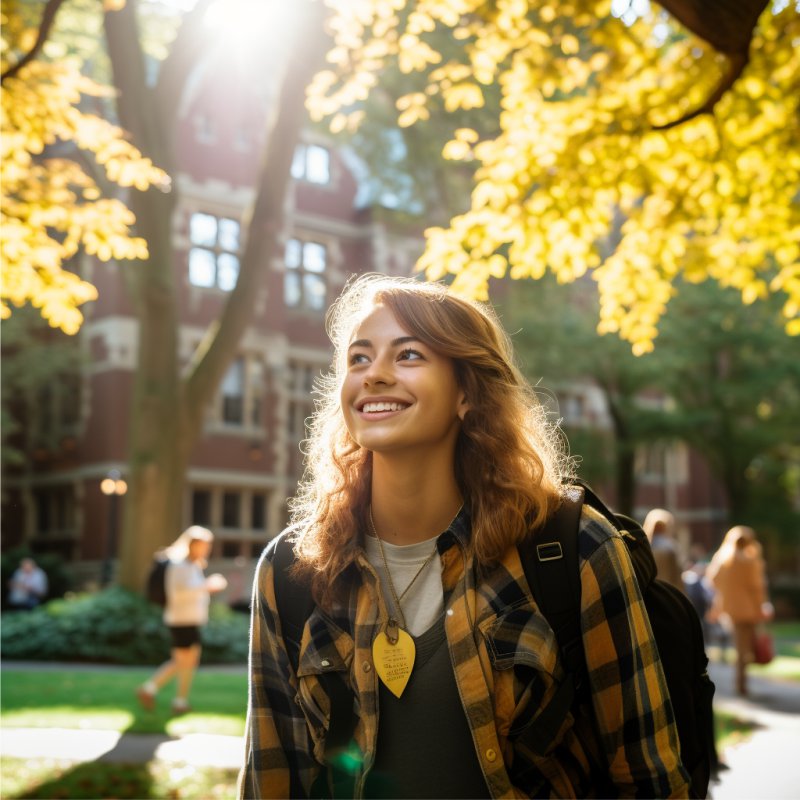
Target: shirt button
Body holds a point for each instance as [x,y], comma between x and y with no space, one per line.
[449,612]
[366,666]
[491,755]
[325,662]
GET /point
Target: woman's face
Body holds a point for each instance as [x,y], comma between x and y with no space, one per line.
[397,392]
[199,550]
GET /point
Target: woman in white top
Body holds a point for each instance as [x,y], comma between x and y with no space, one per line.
[188,595]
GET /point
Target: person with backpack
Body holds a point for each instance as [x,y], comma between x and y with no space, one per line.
[424,666]
[187,592]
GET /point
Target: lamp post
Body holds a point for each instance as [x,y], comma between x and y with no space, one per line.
[113,487]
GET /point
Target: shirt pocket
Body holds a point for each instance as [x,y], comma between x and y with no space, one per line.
[327,656]
[524,655]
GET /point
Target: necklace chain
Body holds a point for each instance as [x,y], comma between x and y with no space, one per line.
[389,580]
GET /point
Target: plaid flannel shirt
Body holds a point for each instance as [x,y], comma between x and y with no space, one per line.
[507,667]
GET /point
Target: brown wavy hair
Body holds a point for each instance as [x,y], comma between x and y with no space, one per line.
[510,459]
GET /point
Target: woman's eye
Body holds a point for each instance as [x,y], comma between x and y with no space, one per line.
[409,355]
[357,358]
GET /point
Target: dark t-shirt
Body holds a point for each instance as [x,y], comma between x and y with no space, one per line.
[425,747]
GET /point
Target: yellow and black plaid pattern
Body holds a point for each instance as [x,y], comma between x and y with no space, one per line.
[507,668]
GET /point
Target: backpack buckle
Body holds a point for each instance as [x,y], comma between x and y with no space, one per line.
[549,551]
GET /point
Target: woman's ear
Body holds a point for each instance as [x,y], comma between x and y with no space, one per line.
[462,407]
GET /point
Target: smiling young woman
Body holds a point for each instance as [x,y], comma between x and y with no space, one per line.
[429,461]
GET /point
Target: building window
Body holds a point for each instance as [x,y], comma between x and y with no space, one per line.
[312,163]
[231,549]
[231,505]
[573,408]
[201,507]
[214,252]
[56,409]
[304,285]
[238,516]
[204,129]
[258,512]
[301,403]
[233,393]
[241,393]
[55,510]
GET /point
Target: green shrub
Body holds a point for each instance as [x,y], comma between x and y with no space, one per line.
[113,626]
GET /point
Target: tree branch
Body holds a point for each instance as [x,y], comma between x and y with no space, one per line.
[48,18]
[728,28]
[287,116]
[174,70]
[136,112]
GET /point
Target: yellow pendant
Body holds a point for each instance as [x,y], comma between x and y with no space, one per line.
[393,655]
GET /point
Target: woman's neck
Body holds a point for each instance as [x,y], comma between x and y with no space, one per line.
[412,501]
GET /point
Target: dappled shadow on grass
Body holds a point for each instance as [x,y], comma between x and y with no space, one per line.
[109,776]
[128,771]
[96,780]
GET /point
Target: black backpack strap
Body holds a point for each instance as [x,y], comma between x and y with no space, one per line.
[294,604]
[292,598]
[550,562]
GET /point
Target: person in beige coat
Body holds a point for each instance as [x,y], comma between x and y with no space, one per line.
[737,573]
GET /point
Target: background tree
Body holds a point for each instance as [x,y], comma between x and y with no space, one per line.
[734,379]
[168,402]
[606,109]
[168,405]
[53,203]
[729,374]
[556,336]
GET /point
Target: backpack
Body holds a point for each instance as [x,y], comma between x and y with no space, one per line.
[550,562]
[551,567]
[156,588]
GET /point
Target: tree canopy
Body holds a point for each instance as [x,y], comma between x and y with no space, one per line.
[618,152]
[60,165]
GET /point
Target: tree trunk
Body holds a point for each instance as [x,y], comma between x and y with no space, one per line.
[625,480]
[168,410]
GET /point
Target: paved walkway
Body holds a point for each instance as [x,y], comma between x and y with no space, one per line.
[766,766]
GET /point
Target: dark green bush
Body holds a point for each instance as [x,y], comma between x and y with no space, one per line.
[113,626]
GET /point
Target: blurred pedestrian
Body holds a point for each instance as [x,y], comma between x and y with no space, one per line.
[27,586]
[188,593]
[700,592]
[659,525]
[737,573]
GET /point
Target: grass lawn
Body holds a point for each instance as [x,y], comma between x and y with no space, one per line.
[105,700]
[730,729]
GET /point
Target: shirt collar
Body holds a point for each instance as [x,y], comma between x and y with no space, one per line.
[458,532]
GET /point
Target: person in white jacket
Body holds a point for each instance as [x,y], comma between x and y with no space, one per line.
[188,592]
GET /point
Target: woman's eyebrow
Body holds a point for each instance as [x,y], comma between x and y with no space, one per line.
[394,343]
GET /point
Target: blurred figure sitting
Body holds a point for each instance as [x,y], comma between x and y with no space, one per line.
[28,585]
[659,525]
[737,573]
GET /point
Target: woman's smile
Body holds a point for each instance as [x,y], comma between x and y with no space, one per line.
[398,392]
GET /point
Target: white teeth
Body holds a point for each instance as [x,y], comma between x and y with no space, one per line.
[374,407]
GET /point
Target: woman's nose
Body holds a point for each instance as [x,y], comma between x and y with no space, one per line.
[379,371]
